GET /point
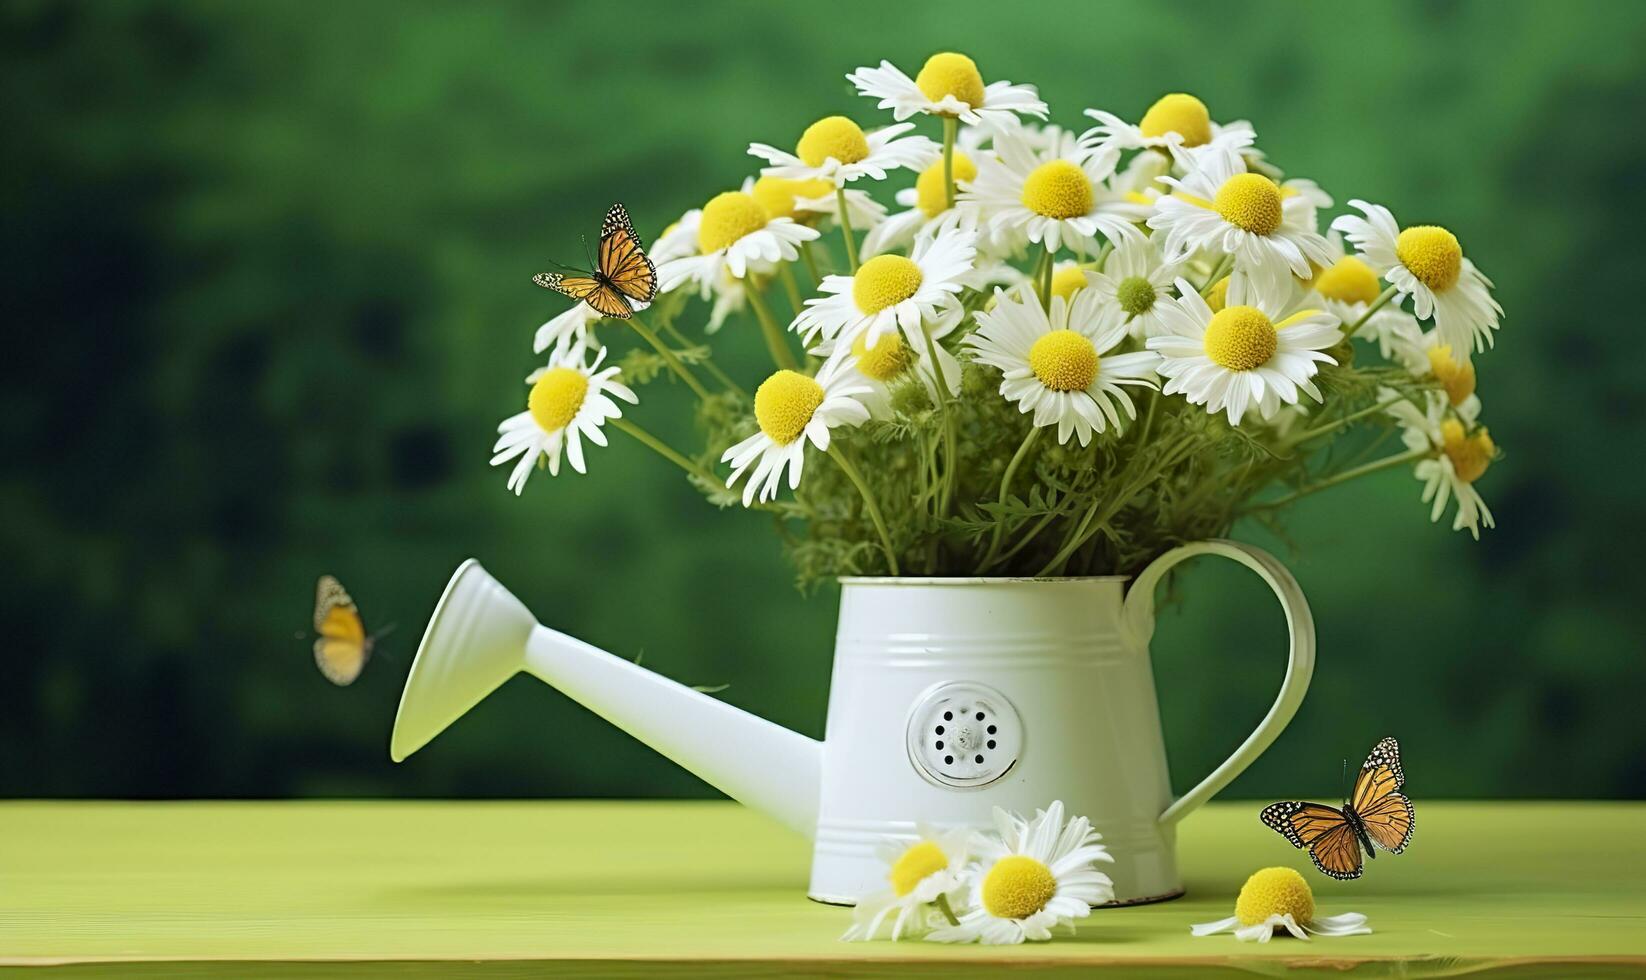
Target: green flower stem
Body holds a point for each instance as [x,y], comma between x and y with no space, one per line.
[951,462]
[1400,459]
[948,913]
[1006,486]
[1349,419]
[1218,272]
[1095,520]
[1377,304]
[669,358]
[1034,532]
[791,287]
[846,467]
[663,449]
[807,257]
[708,363]
[1044,276]
[951,126]
[846,228]
[782,356]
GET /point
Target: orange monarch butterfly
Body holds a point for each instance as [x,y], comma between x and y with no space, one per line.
[623,275]
[343,646]
[1376,813]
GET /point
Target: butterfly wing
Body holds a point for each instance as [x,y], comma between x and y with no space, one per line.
[1324,830]
[602,297]
[341,649]
[623,261]
[1337,852]
[1386,813]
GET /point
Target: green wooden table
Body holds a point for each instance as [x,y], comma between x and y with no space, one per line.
[683,889]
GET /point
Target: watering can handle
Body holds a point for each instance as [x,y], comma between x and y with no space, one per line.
[1300,660]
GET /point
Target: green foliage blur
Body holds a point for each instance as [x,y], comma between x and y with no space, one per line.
[267,296]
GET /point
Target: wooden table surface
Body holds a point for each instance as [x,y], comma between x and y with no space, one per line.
[684,889]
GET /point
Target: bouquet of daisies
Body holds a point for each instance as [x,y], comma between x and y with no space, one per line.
[1059,353]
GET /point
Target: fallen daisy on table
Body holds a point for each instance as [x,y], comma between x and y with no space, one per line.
[924,878]
[1279,898]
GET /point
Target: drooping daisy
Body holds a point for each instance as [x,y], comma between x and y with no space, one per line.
[733,232]
[949,84]
[891,360]
[890,291]
[571,329]
[928,208]
[1221,207]
[1431,358]
[1462,453]
[1135,278]
[837,150]
[814,202]
[1426,263]
[1057,365]
[1279,898]
[793,410]
[1054,196]
[1037,875]
[1259,351]
[569,401]
[1174,118]
[1349,287]
[918,873]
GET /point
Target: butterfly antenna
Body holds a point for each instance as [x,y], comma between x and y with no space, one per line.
[1345,780]
[383,631]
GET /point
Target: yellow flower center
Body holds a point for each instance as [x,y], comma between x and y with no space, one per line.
[1349,280]
[1457,379]
[556,397]
[1136,295]
[1068,281]
[784,403]
[1178,113]
[1218,296]
[1064,360]
[1432,254]
[928,187]
[916,865]
[1059,189]
[777,195]
[1275,891]
[1470,454]
[1241,338]
[727,218]
[951,74]
[883,281]
[887,359]
[1250,202]
[1017,887]
[832,136]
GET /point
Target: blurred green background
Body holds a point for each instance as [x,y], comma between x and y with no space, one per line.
[266,285]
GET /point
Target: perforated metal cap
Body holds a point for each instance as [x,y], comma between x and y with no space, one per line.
[963,734]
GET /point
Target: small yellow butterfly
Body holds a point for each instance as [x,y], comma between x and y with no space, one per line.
[343,646]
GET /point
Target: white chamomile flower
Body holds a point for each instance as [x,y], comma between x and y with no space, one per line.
[792,410]
[891,359]
[1426,263]
[678,240]
[1057,364]
[734,233]
[919,873]
[837,150]
[1134,280]
[1349,287]
[814,202]
[1139,183]
[1258,351]
[1039,874]
[569,401]
[928,208]
[890,291]
[1430,358]
[1177,118]
[949,84]
[1278,898]
[1462,452]
[573,329]
[1054,196]
[1221,207]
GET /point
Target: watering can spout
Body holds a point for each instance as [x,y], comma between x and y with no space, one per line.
[481,635]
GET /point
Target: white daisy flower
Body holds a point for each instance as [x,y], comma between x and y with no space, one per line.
[793,410]
[569,401]
[890,359]
[1038,875]
[1057,364]
[838,150]
[928,208]
[573,329]
[1430,358]
[1054,196]
[1221,207]
[1258,351]
[1348,287]
[1427,263]
[890,291]
[733,233]
[814,202]
[1177,118]
[949,84]
[1134,279]
[1279,898]
[1463,452]
[1139,183]
[919,873]
[679,239]
[1314,198]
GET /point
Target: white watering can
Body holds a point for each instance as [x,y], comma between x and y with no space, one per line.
[950,696]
